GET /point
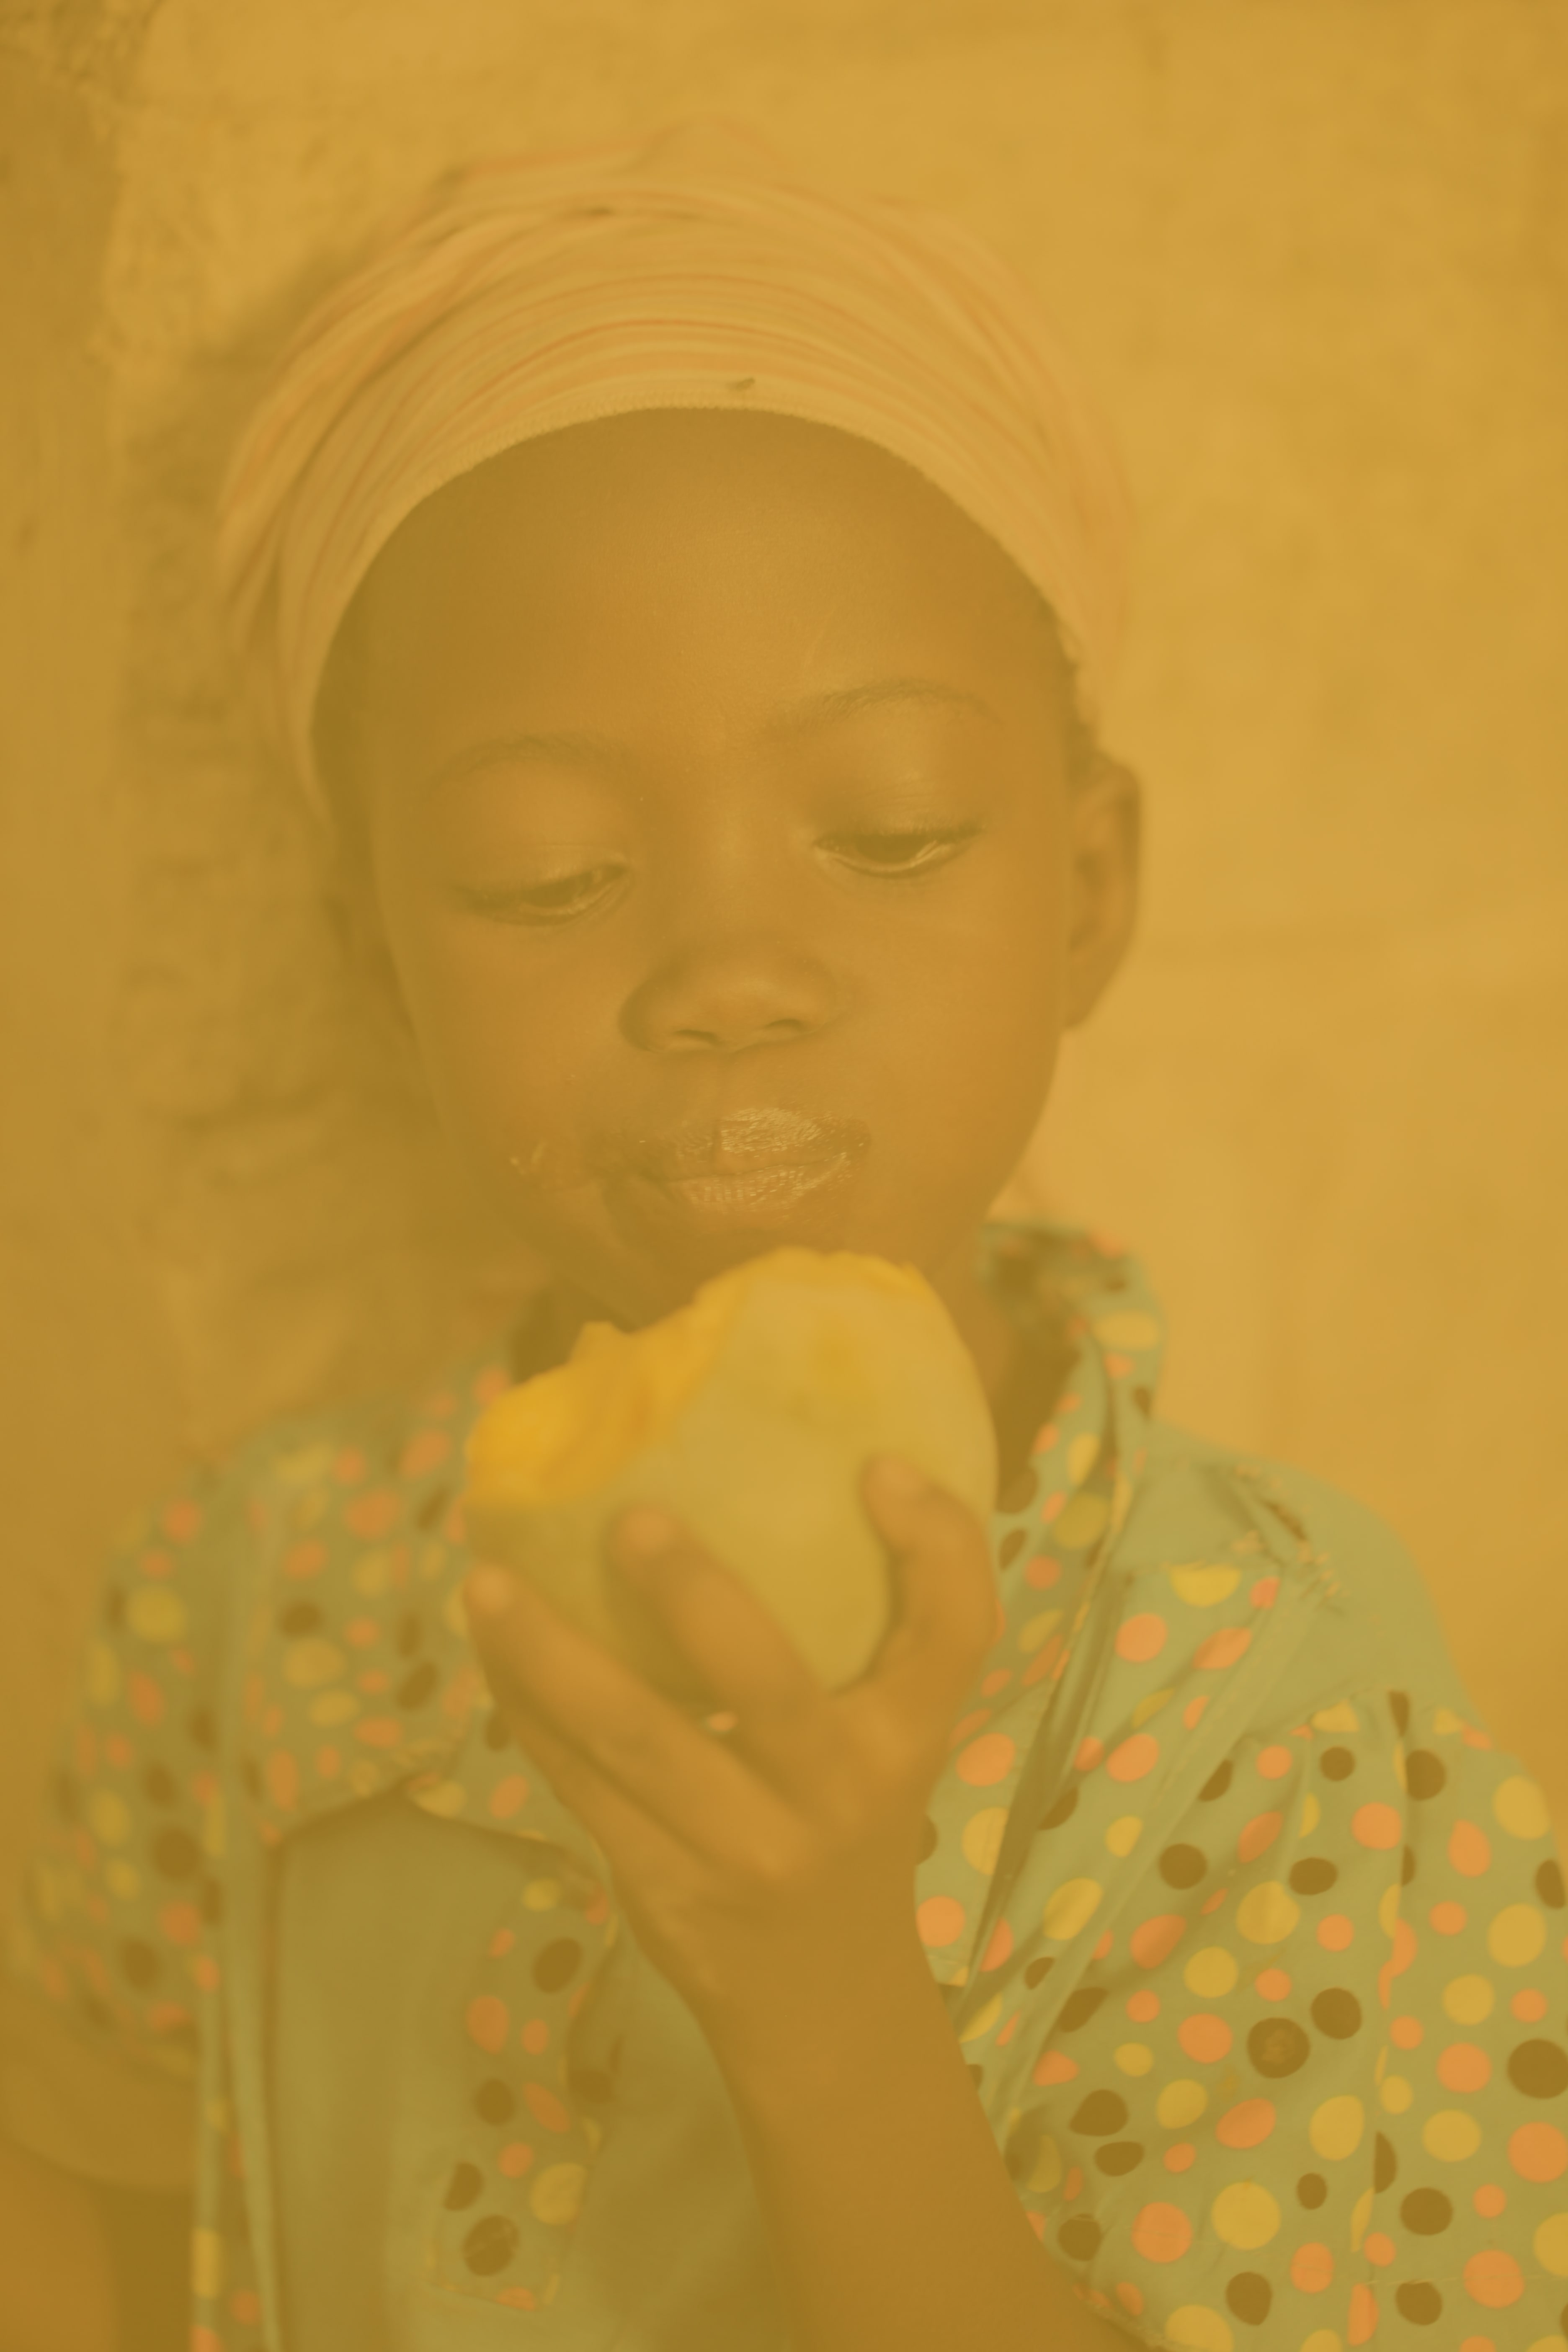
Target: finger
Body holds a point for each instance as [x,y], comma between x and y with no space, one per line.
[787,1724]
[600,1712]
[631,1839]
[949,1611]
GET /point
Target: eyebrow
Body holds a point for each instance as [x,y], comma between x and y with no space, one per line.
[587,749]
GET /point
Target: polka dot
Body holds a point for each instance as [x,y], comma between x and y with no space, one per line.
[1266,1913]
[109,1817]
[1031,1635]
[1489,2201]
[999,1949]
[1539,2069]
[545,2107]
[1469,1850]
[1134,2057]
[488,2021]
[939,1921]
[1071,1908]
[1551,2244]
[1450,2136]
[1141,1638]
[1123,1834]
[1156,1938]
[1336,1763]
[1493,2279]
[1247,2125]
[1211,1972]
[981,1838]
[1259,1836]
[154,1613]
[1180,2104]
[1408,2033]
[509,1797]
[1134,1758]
[1463,2066]
[1336,2011]
[1520,1807]
[1196,2328]
[1245,2215]
[1202,1587]
[1448,1918]
[1516,1936]
[1181,2157]
[1529,2006]
[986,1760]
[1273,1763]
[1205,2038]
[379,1731]
[1336,1932]
[1395,2093]
[1469,1999]
[1538,2152]
[1363,2317]
[280,1771]
[1336,2127]
[1273,1984]
[1162,2233]
[1143,2006]
[1223,1648]
[1277,2046]
[1378,2248]
[556,2196]
[1377,1826]
[1056,2066]
[514,2159]
[1312,2268]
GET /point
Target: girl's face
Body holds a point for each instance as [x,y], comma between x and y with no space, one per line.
[714,783]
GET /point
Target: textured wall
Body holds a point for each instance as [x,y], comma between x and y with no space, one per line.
[1315,252]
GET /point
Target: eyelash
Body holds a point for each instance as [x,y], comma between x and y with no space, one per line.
[925,837]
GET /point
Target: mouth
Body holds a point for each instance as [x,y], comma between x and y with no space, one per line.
[743,1144]
[764,1193]
[754,1168]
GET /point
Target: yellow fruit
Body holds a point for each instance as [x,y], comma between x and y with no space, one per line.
[750,1414]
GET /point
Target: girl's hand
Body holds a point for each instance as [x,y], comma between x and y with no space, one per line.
[763,1870]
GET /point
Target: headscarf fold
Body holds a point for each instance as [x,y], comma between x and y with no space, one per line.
[690,270]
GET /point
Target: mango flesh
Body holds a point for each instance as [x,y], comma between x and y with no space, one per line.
[749,1412]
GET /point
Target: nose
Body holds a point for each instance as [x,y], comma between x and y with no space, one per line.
[732,994]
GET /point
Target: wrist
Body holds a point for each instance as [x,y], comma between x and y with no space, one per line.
[827,2043]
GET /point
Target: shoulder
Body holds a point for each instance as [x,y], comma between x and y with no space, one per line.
[1376,1627]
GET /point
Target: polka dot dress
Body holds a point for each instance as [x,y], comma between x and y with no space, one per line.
[1253,1938]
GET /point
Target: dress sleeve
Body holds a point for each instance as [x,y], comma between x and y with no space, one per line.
[1316,2089]
[108,1943]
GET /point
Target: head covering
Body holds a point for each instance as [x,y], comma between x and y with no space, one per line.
[690,270]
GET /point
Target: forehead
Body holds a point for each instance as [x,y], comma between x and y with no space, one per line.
[671,498]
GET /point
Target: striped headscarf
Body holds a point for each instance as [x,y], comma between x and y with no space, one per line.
[690,270]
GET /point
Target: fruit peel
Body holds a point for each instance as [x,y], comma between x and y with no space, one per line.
[751,1413]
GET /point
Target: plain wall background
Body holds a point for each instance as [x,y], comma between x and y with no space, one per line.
[1314,252]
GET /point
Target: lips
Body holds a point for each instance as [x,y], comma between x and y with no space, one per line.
[744,1143]
[763,1168]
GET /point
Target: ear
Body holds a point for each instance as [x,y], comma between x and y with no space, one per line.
[1105,821]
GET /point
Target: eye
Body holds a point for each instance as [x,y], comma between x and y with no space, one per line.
[547,902]
[909,851]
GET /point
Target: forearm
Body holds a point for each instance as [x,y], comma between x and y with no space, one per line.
[889,2212]
[58,2292]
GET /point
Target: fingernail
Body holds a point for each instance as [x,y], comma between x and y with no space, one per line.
[489,1592]
[900,1479]
[646,1531]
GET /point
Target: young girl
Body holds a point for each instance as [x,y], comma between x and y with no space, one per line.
[687,595]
